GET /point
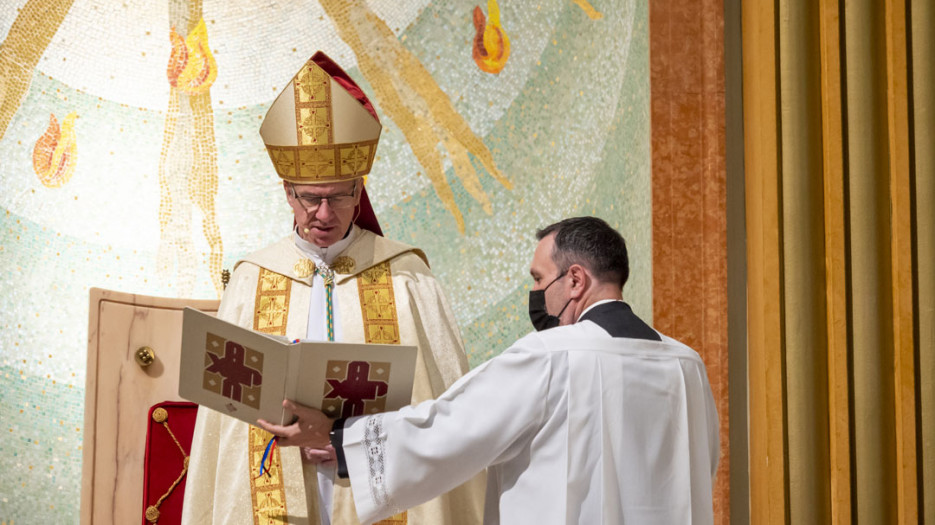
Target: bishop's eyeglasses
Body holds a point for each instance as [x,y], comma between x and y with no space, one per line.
[338,201]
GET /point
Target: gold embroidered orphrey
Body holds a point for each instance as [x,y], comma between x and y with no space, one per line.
[268,491]
[344,264]
[312,92]
[381,325]
[378,305]
[303,268]
[306,267]
[312,164]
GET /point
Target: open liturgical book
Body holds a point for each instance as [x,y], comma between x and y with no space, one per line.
[247,374]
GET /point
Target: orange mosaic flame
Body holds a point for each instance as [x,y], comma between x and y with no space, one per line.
[177,58]
[55,152]
[192,68]
[491,44]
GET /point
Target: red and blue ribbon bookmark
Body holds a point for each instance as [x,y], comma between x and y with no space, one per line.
[268,453]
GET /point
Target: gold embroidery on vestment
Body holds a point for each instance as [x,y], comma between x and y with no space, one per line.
[377,305]
[343,264]
[397,519]
[272,303]
[316,162]
[303,268]
[312,91]
[268,491]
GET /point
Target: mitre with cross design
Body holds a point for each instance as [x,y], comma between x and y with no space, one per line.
[322,129]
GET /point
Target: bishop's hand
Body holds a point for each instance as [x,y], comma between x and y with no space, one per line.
[311,428]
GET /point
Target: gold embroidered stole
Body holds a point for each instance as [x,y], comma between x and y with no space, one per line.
[268,491]
[381,325]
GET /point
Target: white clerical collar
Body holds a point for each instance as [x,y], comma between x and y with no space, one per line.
[327,254]
[597,303]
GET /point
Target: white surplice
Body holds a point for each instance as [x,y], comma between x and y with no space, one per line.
[575,426]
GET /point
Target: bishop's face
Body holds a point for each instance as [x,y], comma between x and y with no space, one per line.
[323,212]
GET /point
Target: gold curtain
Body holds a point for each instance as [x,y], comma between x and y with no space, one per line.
[839,162]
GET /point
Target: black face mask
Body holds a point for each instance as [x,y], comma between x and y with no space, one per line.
[538,314]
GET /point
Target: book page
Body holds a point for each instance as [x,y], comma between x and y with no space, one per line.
[346,380]
[231,369]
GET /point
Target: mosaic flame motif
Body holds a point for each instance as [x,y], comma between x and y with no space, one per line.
[188,163]
[491,44]
[192,68]
[55,153]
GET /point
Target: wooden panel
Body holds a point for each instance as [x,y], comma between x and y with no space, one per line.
[900,173]
[768,460]
[836,231]
[922,18]
[119,394]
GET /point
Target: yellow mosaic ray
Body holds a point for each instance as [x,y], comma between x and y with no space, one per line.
[409,95]
[29,36]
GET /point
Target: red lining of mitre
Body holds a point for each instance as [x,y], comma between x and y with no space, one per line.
[366,218]
[338,74]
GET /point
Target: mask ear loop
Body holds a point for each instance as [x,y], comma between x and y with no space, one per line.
[553,280]
[566,302]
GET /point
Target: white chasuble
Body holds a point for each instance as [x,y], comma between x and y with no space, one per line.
[573,425]
[272,290]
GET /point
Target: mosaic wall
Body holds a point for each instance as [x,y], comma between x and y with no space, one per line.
[130,160]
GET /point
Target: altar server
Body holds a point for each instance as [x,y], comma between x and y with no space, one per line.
[595,418]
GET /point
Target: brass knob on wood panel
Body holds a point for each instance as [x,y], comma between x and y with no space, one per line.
[145,356]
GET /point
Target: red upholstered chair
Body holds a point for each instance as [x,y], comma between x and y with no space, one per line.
[165,465]
[130,460]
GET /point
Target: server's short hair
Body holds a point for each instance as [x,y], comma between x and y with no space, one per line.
[592,243]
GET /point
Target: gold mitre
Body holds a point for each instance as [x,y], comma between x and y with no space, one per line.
[321,128]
